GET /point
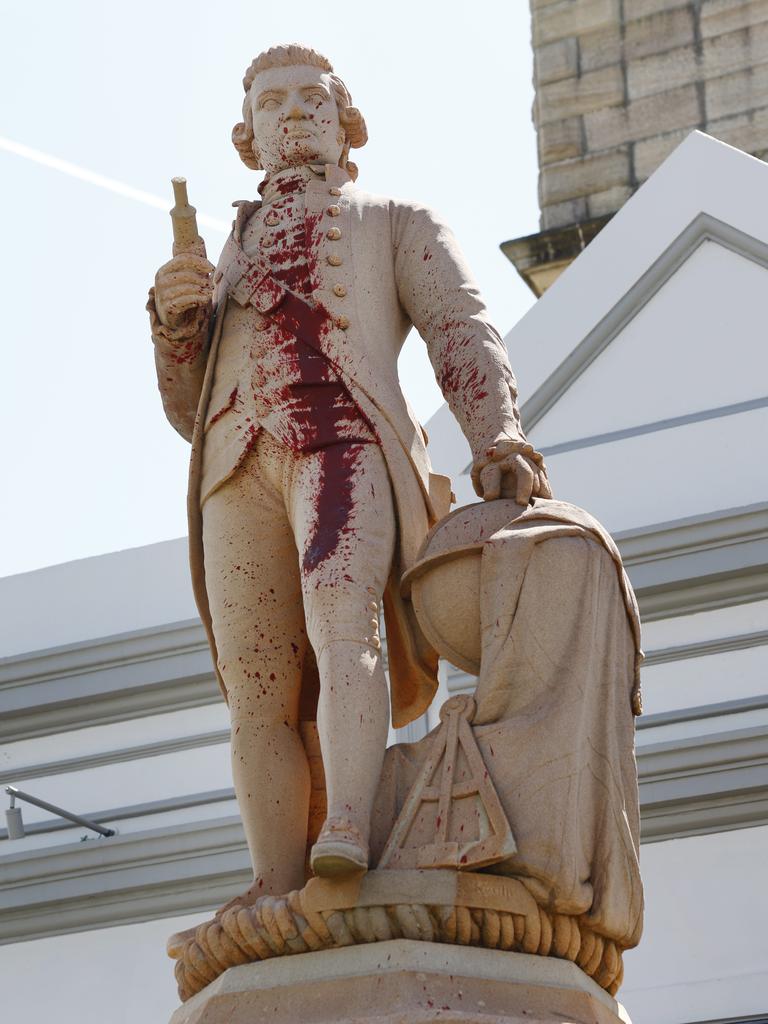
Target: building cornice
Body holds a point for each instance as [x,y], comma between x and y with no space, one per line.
[700,562]
[138,877]
[703,784]
[110,679]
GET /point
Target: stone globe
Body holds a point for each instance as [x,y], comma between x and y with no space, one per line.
[444,583]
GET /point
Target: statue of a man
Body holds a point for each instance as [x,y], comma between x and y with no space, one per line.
[310,484]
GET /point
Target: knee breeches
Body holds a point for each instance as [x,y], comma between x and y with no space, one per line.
[296,547]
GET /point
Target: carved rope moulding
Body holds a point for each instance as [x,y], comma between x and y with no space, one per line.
[300,923]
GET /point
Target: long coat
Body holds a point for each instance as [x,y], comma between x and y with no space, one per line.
[378,266]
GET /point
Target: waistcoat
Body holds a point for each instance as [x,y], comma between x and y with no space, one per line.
[265,376]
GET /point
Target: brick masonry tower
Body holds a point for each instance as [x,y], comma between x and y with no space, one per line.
[619,84]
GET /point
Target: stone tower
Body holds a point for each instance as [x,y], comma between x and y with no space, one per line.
[619,84]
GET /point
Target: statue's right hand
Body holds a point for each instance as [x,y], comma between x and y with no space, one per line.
[183,287]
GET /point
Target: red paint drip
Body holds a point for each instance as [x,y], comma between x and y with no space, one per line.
[225,408]
[334,503]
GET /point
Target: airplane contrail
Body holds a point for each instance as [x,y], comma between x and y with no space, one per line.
[110,184]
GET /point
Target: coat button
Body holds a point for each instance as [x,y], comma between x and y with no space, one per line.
[267,241]
[342,322]
[334,260]
[340,290]
[272,217]
[334,211]
[375,642]
[334,234]
[334,191]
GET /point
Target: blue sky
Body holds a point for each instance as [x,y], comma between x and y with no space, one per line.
[130,95]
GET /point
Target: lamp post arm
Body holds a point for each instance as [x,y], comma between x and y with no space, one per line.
[18,794]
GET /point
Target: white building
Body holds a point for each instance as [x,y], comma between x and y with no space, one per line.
[643,375]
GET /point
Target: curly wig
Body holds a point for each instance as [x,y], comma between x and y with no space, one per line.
[289,55]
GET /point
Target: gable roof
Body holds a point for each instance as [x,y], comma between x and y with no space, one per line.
[705,190]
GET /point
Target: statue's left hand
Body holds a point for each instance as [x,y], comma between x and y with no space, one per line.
[510,469]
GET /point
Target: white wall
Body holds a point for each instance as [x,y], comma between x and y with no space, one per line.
[669,474]
[96,597]
[703,953]
[704,625]
[116,975]
[692,682]
[697,344]
[103,739]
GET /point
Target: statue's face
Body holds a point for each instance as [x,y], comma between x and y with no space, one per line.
[295,118]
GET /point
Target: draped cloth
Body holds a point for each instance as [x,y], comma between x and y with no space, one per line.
[560,643]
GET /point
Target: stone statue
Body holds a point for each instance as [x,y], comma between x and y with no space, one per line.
[312,508]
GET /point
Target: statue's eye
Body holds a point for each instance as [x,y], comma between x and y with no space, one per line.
[317,98]
[270,103]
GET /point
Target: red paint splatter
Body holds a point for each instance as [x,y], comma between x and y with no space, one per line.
[187,352]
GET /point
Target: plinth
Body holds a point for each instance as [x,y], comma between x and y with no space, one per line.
[404,981]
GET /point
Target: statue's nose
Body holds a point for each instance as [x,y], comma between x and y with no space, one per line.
[296,113]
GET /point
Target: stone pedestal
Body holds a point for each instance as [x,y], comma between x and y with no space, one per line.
[404,982]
